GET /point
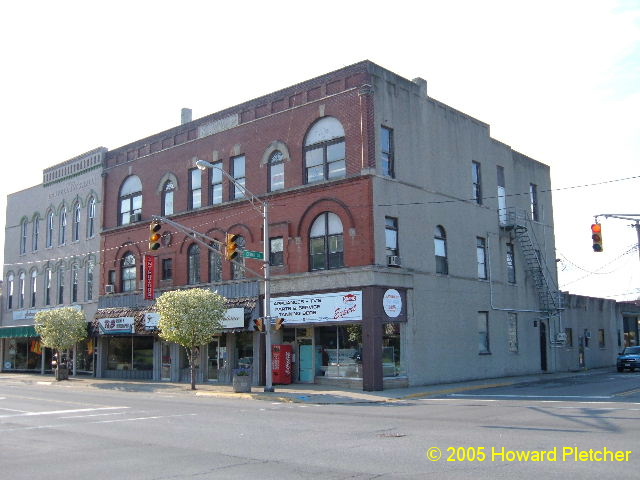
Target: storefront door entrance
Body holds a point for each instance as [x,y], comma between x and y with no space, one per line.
[306,363]
[216,358]
[165,373]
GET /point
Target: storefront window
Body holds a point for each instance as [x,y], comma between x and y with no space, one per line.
[339,351]
[391,358]
[244,350]
[130,353]
[22,354]
[84,356]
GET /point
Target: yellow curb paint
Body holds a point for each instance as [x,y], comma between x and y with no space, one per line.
[455,390]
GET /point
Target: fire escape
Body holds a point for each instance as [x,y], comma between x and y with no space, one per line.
[519,221]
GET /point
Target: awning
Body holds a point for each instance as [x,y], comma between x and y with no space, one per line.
[23,331]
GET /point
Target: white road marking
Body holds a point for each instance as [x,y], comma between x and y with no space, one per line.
[56,412]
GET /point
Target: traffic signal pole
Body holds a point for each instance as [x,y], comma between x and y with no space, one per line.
[634,217]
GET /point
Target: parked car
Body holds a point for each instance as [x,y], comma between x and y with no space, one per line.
[628,358]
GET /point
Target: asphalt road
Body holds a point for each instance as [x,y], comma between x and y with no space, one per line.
[81,433]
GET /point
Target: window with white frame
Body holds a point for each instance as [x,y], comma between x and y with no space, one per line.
[387,159]
[91,218]
[10,286]
[35,235]
[324,151]
[61,274]
[481,257]
[50,229]
[276,171]
[326,243]
[239,175]
[195,188]
[533,200]
[34,287]
[77,212]
[193,264]
[63,226]
[276,251]
[130,201]
[47,286]
[23,236]
[391,235]
[21,289]
[216,184]
[128,275]
[440,248]
[167,197]
[483,332]
[75,280]
[477,183]
[89,280]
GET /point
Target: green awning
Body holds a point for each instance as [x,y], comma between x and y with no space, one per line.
[12,332]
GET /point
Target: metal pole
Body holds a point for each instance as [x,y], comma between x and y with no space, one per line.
[638,232]
[267,301]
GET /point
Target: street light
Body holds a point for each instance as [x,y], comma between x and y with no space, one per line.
[263,209]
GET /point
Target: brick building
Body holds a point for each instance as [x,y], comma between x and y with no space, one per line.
[406,245]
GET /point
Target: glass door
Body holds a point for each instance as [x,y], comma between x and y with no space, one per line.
[165,373]
[214,361]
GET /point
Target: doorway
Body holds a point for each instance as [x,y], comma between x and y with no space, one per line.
[216,358]
[305,354]
[165,369]
[543,346]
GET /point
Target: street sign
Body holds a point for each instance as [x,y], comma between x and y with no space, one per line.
[252,254]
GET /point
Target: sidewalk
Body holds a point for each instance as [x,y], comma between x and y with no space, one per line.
[297,393]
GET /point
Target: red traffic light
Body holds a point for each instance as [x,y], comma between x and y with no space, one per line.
[596,236]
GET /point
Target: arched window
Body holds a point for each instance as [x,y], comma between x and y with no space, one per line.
[276,171]
[76,222]
[21,287]
[10,291]
[91,218]
[193,264]
[47,286]
[63,226]
[35,235]
[324,151]
[23,236]
[167,198]
[89,281]
[60,284]
[440,247]
[215,265]
[130,201]
[34,287]
[75,280]
[237,271]
[50,230]
[326,246]
[128,272]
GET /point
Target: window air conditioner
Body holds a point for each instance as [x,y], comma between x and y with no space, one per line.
[109,289]
[393,261]
[561,337]
[135,217]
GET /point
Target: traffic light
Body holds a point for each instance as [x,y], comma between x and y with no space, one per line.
[279,323]
[596,235]
[258,324]
[231,248]
[154,235]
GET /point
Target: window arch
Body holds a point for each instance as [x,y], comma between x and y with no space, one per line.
[10,291]
[50,230]
[35,234]
[193,264]
[63,226]
[61,284]
[128,272]
[75,282]
[326,243]
[91,217]
[276,171]
[21,287]
[130,201]
[23,236]
[34,287]
[324,151]
[47,286]
[167,197]
[77,212]
[215,264]
[440,247]
[88,292]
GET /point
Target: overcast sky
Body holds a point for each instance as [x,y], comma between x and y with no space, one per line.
[556,80]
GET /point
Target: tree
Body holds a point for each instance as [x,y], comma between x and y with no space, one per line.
[191,318]
[60,329]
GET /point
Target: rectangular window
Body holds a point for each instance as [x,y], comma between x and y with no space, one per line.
[167,269]
[47,286]
[74,284]
[238,165]
[34,288]
[36,234]
[533,198]
[512,332]
[60,285]
[569,333]
[502,197]
[483,332]
[195,187]
[511,265]
[481,255]
[89,283]
[601,337]
[391,235]
[276,251]
[23,237]
[216,184]
[386,149]
[477,185]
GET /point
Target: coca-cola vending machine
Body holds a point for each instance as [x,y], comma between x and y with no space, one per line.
[281,359]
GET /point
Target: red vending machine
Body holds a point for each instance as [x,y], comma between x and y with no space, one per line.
[281,358]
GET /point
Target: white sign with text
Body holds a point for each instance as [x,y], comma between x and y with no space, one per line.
[322,307]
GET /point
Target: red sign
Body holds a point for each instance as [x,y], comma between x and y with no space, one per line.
[149,277]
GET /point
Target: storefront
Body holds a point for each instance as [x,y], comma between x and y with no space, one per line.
[350,338]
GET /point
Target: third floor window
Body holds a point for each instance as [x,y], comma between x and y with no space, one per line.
[324,151]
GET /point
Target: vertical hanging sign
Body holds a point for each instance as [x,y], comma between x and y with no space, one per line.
[149,277]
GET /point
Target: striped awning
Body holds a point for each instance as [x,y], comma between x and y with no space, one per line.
[21,331]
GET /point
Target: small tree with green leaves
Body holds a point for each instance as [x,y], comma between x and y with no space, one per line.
[61,328]
[191,318]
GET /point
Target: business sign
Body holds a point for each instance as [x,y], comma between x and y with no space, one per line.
[151,321]
[322,307]
[392,303]
[149,277]
[233,318]
[112,326]
[30,314]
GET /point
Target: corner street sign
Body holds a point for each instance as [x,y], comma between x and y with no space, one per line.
[252,254]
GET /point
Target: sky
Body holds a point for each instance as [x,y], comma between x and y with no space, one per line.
[557,80]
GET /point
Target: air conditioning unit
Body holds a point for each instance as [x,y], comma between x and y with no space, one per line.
[393,261]
[109,289]
[561,337]
[135,217]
